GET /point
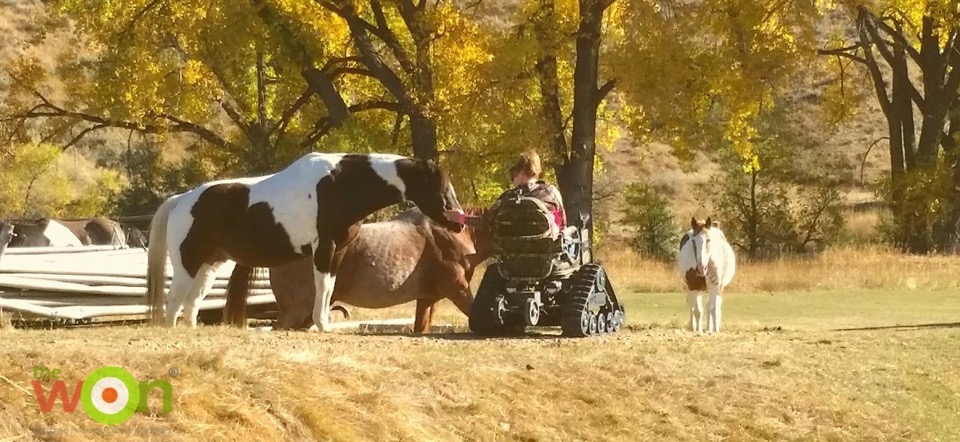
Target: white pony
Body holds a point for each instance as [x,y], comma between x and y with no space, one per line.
[706,262]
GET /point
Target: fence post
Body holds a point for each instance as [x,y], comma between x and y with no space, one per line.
[6,234]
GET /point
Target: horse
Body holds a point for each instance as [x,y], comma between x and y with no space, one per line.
[98,231]
[313,207]
[408,258]
[134,237]
[43,232]
[707,263]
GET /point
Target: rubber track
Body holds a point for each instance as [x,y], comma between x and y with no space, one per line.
[483,317]
[578,292]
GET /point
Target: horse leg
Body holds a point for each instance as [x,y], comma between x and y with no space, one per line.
[713,307]
[324,281]
[235,310]
[425,309]
[695,303]
[201,285]
[461,296]
[182,283]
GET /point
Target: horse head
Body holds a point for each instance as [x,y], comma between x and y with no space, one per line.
[478,231]
[30,234]
[6,234]
[700,237]
[134,237]
[429,187]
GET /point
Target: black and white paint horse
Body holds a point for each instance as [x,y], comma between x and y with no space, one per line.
[48,232]
[707,264]
[313,207]
[43,232]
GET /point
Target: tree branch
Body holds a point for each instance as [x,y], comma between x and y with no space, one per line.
[395,136]
[281,125]
[202,132]
[359,32]
[136,18]
[844,52]
[261,91]
[355,71]
[83,133]
[233,114]
[879,84]
[605,89]
[389,38]
[897,34]
[50,110]
[333,61]
[325,125]
[882,45]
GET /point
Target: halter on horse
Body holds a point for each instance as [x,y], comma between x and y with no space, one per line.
[706,263]
[313,207]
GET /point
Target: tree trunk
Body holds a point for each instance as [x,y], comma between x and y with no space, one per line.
[753,225]
[914,159]
[576,179]
[424,137]
[414,100]
[951,242]
[545,24]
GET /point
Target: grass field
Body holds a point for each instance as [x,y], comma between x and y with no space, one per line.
[838,364]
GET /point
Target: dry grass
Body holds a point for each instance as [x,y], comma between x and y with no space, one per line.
[5,323]
[654,385]
[849,268]
[783,369]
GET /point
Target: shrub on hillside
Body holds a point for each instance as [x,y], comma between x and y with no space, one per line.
[787,198]
[151,178]
[39,180]
[649,213]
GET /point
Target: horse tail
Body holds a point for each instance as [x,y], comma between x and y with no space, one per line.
[235,310]
[731,264]
[157,260]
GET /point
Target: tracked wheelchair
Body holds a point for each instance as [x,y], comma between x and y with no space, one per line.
[543,276]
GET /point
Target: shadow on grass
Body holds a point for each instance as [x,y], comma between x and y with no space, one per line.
[534,334]
[902,327]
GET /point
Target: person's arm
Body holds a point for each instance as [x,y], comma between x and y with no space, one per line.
[559,198]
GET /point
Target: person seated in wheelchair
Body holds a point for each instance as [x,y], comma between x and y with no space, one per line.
[525,175]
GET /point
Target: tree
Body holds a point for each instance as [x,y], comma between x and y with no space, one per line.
[919,35]
[261,82]
[573,160]
[223,72]
[791,203]
[37,181]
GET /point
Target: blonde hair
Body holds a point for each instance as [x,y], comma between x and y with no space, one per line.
[529,163]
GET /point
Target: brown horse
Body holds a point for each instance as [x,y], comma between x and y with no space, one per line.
[97,231]
[409,258]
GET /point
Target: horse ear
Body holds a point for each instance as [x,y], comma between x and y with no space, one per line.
[693,222]
[709,223]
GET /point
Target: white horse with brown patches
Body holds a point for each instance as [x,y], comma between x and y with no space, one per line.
[706,263]
[313,207]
